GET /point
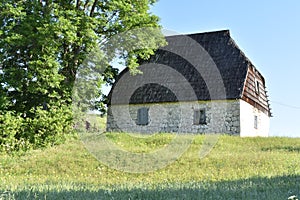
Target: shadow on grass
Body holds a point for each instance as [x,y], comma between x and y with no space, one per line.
[282,148]
[254,188]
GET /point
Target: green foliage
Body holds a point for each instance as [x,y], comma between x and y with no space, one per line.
[10,127]
[43,46]
[46,128]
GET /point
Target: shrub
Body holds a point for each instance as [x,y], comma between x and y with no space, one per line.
[39,129]
[10,127]
[48,127]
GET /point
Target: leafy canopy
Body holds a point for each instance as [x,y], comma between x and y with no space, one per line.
[43,44]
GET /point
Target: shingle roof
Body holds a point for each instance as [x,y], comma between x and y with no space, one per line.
[231,65]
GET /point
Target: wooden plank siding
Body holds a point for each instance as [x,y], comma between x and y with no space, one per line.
[257,97]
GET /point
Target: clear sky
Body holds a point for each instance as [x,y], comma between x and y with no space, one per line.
[267,31]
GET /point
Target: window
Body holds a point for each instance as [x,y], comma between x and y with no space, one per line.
[257,86]
[142,116]
[199,117]
[255,122]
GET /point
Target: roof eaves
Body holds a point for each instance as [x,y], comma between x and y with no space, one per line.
[249,63]
[242,91]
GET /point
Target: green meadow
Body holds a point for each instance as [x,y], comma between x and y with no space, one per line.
[236,168]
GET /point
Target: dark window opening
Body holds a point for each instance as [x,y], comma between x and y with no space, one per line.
[257,85]
[199,117]
[142,116]
[255,122]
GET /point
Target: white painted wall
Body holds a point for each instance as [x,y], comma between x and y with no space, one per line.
[247,113]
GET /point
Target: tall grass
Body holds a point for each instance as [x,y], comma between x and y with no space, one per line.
[237,168]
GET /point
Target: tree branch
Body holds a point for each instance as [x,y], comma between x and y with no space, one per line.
[93,8]
[77,4]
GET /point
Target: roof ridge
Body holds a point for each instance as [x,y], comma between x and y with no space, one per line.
[226,31]
[246,58]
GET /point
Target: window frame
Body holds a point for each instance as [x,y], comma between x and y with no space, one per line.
[200,117]
[142,116]
[255,121]
[257,86]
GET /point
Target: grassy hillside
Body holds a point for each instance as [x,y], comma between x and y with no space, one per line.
[237,168]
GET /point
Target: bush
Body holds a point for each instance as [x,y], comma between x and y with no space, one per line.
[48,127]
[43,128]
[10,126]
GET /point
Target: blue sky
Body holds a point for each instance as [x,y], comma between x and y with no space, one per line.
[267,31]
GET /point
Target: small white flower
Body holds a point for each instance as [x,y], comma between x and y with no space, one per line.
[294,197]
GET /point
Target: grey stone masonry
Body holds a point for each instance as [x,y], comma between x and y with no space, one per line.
[219,116]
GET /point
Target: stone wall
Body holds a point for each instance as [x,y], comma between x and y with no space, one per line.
[221,117]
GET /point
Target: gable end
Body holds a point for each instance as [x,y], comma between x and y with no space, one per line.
[254,91]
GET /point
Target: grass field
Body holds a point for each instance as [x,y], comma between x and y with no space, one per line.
[236,168]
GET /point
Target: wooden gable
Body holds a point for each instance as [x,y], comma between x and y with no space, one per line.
[254,91]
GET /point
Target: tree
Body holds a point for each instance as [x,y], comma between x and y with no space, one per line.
[44,42]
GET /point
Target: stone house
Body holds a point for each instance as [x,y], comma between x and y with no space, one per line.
[198,83]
